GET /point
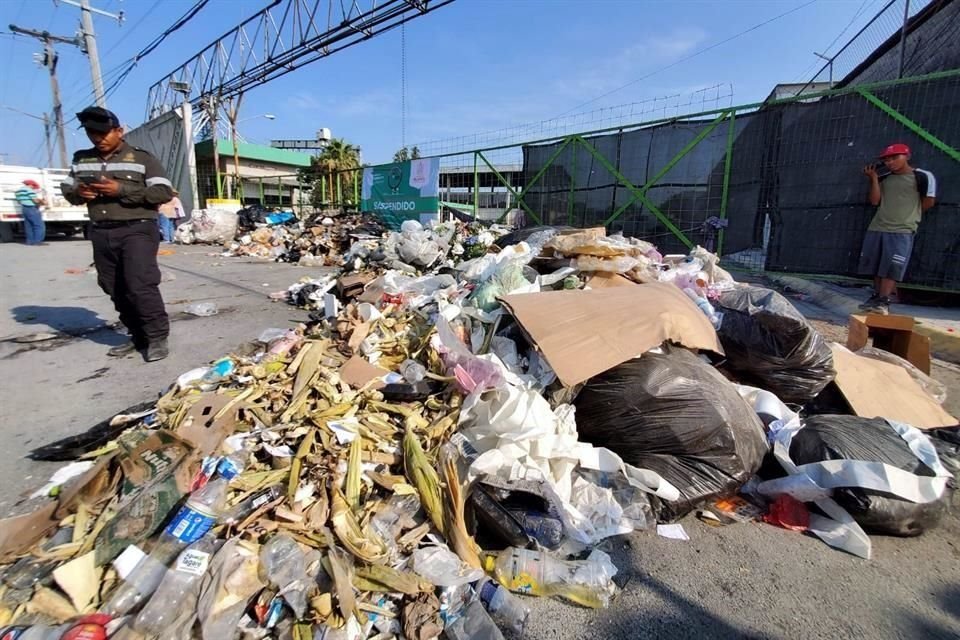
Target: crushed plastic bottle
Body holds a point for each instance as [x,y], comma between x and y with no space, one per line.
[412,371]
[506,609]
[202,309]
[89,627]
[474,624]
[251,503]
[175,600]
[205,506]
[705,306]
[194,519]
[585,582]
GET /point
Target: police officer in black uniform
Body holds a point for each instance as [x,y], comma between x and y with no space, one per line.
[123,186]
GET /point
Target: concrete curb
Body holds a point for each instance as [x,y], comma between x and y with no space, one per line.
[944,344]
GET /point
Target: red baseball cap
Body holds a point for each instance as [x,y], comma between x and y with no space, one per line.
[32,183]
[896,149]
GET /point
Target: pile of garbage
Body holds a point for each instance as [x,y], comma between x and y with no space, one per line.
[464,419]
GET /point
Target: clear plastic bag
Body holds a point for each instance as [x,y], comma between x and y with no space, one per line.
[443,567]
[284,565]
[213,226]
[231,582]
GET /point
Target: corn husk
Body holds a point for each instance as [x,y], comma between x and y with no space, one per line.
[386,579]
[368,547]
[423,476]
[353,474]
[456,530]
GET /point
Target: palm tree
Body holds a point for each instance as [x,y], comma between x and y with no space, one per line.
[339,158]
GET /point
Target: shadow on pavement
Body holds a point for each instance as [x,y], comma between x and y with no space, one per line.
[922,627]
[685,618]
[74,321]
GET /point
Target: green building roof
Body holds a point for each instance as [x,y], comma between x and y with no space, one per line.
[255,152]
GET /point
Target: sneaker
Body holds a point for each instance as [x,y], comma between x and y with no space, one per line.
[880,306]
[157,350]
[122,350]
[871,301]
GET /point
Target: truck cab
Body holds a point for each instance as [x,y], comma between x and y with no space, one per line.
[59,215]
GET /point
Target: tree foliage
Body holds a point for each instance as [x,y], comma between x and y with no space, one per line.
[339,162]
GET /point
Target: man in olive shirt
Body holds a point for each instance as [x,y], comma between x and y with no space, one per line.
[900,197]
[123,187]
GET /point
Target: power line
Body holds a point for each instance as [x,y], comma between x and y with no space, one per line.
[690,57]
[130,31]
[125,68]
[6,76]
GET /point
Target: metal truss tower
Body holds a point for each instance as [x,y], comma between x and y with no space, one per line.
[282,37]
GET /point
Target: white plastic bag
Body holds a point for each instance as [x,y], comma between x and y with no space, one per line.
[214,226]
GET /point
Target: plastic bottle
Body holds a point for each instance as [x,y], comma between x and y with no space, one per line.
[506,609]
[252,502]
[179,590]
[206,505]
[194,519]
[536,573]
[474,624]
[89,627]
[705,307]
[412,371]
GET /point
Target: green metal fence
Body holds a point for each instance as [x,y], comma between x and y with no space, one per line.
[772,185]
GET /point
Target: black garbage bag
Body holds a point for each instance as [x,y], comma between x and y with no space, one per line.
[946,441]
[674,414]
[836,437]
[249,217]
[771,345]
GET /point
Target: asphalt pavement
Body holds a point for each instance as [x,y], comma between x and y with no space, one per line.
[745,580]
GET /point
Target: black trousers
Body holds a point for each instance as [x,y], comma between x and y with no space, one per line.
[127,271]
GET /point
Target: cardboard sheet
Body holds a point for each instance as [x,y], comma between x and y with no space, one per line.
[357,372]
[584,333]
[18,533]
[606,280]
[876,389]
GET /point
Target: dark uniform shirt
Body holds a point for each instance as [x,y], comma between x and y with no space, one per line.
[143,185]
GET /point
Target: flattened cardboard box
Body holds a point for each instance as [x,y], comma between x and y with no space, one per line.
[584,333]
[876,389]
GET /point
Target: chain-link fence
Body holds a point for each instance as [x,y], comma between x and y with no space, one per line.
[773,186]
[903,39]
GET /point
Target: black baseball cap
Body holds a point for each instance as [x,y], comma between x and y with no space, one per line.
[98,119]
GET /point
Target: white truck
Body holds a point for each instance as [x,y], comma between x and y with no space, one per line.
[59,215]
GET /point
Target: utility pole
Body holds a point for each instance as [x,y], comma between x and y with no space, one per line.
[90,44]
[50,62]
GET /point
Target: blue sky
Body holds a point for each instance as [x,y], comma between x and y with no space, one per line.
[473,66]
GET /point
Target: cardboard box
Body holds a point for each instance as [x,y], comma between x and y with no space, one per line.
[891,333]
[606,280]
[876,389]
[583,333]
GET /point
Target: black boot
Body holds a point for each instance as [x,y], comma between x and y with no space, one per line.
[157,350]
[122,350]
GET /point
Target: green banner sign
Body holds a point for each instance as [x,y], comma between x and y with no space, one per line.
[403,191]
